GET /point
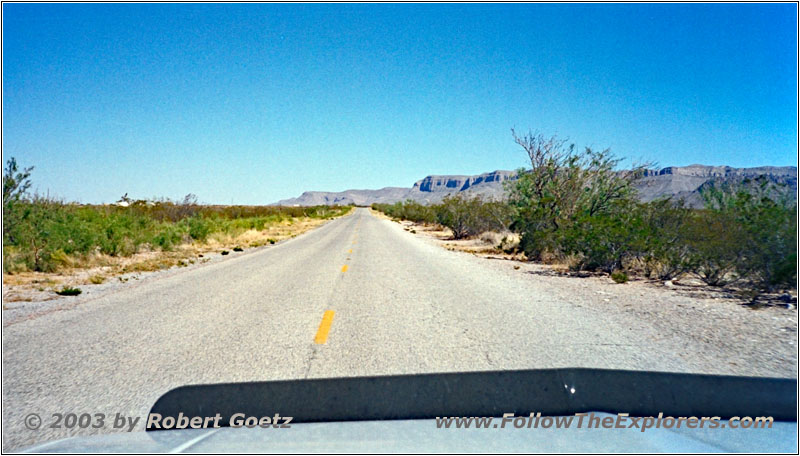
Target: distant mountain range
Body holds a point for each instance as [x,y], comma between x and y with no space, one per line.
[676,181]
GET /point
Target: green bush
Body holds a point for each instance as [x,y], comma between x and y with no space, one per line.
[460,215]
[567,195]
[465,216]
[579,205]
[619,277]
[760,231]
[602,242]
[43,235]
[664,247]
[408,210]
[69,291]
[200,228]
[715,247]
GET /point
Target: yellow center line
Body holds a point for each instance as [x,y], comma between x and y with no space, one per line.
[350,251]
[324,327]
[344,268]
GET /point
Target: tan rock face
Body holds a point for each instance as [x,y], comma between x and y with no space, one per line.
[681,182]
[460,183]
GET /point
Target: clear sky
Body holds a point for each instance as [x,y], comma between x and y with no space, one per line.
[252,103]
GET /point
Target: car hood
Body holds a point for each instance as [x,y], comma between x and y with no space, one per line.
[398,414]
[415,436]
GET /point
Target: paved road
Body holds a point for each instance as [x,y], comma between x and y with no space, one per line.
[400,305]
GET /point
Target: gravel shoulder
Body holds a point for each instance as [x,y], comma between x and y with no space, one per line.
[699,321]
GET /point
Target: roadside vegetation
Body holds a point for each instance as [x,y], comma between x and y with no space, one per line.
[579,209]
[466,217]
[47,235]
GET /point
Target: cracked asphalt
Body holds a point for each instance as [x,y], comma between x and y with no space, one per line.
[402,305]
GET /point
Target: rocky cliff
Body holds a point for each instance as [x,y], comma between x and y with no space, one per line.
[676,181]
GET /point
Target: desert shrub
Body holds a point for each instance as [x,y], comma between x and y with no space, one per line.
[663,248]
[388,209]
[16,183]
[42,234]
[39,233]
[619,277]
[494,215]
[569,201]
[465,216]
[578,208]
[458,214]
[714,241]
[200,227]
[69,291]
[416,212]
[602,241]
[167,236]
[408,210]
[471,216]
[760,224]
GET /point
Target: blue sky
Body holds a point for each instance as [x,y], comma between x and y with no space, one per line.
[252,103]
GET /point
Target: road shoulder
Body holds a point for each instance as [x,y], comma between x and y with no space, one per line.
[759,342]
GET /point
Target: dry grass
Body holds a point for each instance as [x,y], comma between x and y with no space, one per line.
[379,214]
[96,268]
[489,244]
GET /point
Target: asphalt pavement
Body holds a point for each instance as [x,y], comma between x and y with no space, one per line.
[357,296]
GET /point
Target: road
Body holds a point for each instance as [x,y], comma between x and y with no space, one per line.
[395,304]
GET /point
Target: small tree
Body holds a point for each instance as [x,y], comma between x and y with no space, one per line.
[664,248]
[458,214]
[761,210]
[15,182]
[562,187]
[715,242]
[15,188]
